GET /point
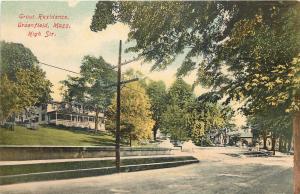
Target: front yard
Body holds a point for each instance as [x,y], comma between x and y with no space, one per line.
[48,135]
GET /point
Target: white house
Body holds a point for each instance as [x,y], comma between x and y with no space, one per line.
[62,113]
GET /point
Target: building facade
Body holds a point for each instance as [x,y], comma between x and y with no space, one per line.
[63,114]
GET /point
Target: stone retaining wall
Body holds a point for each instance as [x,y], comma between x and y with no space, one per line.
[53,170]
[15,153]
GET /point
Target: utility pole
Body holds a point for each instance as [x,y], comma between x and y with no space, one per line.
[118,115]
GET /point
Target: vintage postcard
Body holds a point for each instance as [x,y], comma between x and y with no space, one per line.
[150,97]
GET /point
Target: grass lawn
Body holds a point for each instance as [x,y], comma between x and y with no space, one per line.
[48,135]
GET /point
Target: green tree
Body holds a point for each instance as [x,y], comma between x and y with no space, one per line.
[275,123]
[156,90]
[15,56]
[177,121]
[211,117]
[94,88]
[27,81]
[259,127]
[260,58]
[136,116]
[31,87]
[187,117]
[8,98]
[236,40]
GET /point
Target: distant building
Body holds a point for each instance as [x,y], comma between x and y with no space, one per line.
[246,137]
[62,113]
[242,136]
[160,135]
[220,136]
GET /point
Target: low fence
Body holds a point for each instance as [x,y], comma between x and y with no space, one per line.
[15,153]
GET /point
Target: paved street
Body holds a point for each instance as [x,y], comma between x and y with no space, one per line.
[217,172]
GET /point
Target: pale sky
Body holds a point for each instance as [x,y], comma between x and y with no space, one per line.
[68,47]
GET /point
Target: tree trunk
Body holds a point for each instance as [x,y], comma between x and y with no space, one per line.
[154,134]
[296,131]
[289,146]
[280,145]
[13,121]
[273,144]
[154,129]
[96,120]
[286,150]
[265,140]
[130,139]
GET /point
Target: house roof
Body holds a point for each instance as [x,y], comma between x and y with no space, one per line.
[241,134]
[246,135]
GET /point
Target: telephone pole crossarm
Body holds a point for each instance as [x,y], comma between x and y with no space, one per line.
[127,62]
[130,61]
[128,81]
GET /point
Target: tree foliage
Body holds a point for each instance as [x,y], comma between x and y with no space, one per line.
[176,119]
[8,98]
[15,56]
[156,90]
[275,123]
[23,83]
[176,122]
[94,88]
[261,53]
[243,50]
[136,115]
[211,118]
[188,117]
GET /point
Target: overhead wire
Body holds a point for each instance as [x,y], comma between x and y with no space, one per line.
[53,66]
